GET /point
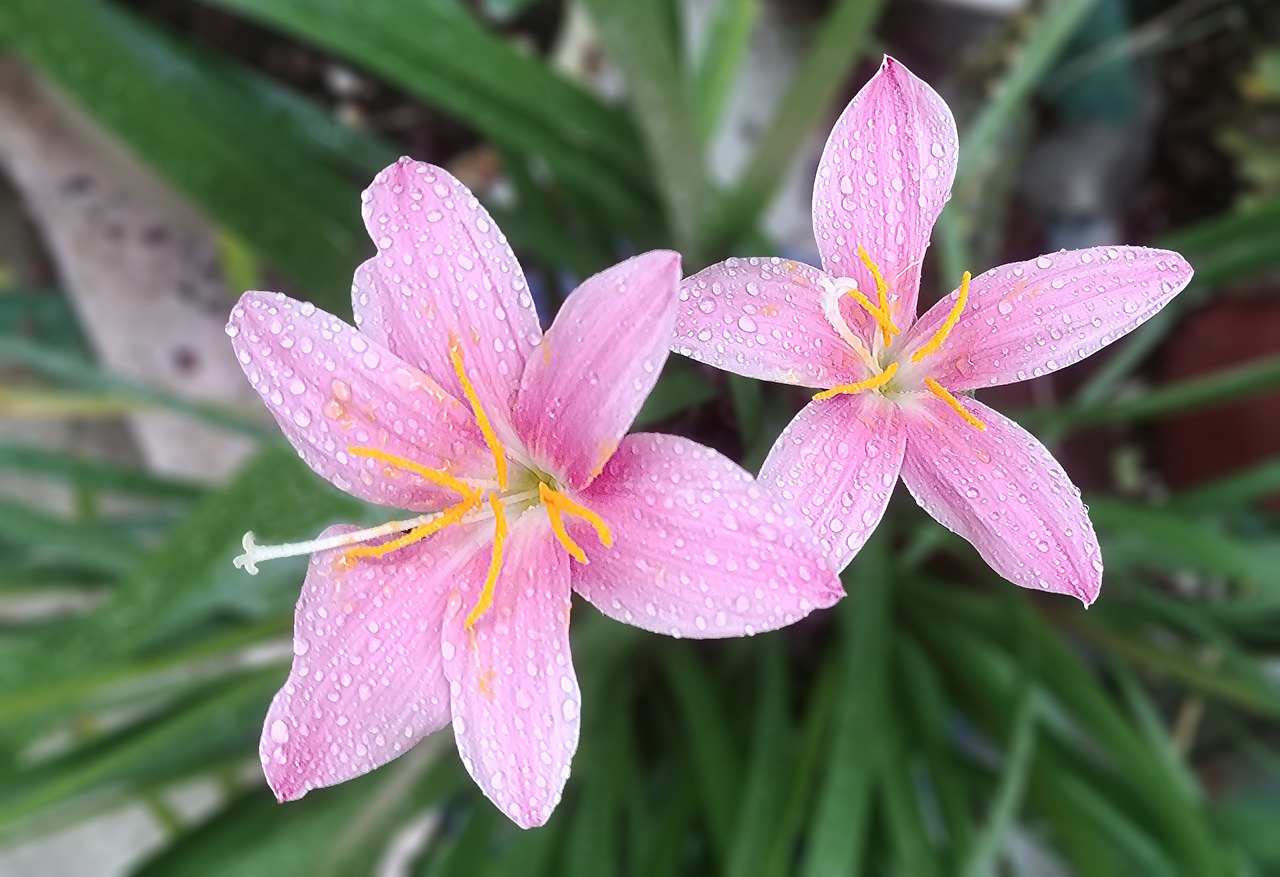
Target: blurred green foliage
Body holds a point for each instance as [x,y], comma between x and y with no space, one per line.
[937,722]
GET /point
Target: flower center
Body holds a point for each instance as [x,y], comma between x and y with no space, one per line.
[882,375]
[476,503]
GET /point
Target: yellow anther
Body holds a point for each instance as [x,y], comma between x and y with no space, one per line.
[882,287]
[451,515]
[941,392]
[444,479]
[482,419]
[869,384]
[559,505]
[948,324]
[557,526]
[495,563]
[887,328]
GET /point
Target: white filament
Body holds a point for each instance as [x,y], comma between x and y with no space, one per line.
[255,553]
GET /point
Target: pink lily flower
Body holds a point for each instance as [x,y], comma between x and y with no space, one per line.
[510,445]
[892,400]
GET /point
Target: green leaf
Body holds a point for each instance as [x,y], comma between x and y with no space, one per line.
[863,723]
[748,402]
[190,575]
[591,842]
[283,178]
[436,51]
[714,754]
[1219,388]
[926,713]
[679,389]
[1008,798]
[1236,245]
[908,837]
[727,42]
[328,833]
[838,43]
[758,824]
[1036,54]
[638,39]
[84,473]
[77,372]
[1232,491]
[88,546]
[40,315]
[466,852]
[215,723]
[1156,538]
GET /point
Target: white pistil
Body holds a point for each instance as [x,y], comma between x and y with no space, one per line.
[832,291]
[255,553]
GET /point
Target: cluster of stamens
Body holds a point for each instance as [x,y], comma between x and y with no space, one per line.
[879,311]
[475,504]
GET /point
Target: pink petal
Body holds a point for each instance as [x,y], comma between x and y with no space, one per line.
[366,683]
[1004,492]
[763,318]
[1030,318]
[836,464]
[331,387]
[514,691]
[699,549]
[883,178]
[444,270]
[597,364]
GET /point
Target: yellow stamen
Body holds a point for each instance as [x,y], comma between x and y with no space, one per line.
[938,390]
[451,515]
[444,479]
[557,526]
[887,328]
[948,324]
[495,564]
[882,294]
[482,419]
[559,505]
[869,384]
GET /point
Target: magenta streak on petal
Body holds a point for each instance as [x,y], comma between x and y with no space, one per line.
[513,689]
[444,268]
[597,364]
[366,683]
[763,318]
[331,387]
[1031,318]
[1004,492]
[837,464]
[884,176]
[700,550]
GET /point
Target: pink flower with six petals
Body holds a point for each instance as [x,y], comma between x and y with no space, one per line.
[451,402]
[890,404]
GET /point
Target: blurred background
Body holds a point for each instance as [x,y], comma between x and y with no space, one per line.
[157,157]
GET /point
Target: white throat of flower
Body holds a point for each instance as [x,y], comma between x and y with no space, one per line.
[477,501]
[881,376]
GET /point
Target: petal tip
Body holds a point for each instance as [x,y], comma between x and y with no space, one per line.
[661,261]
[282,778]
[1181,267]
